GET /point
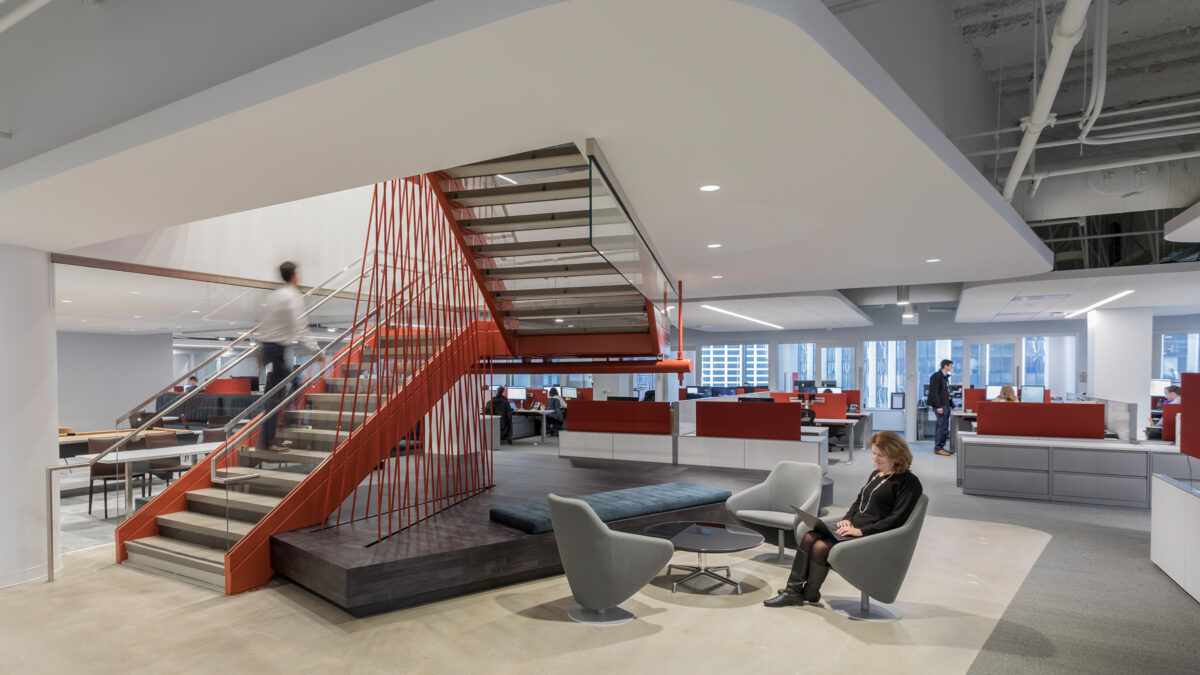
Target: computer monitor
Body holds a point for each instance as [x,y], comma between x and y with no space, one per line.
[993,391]
[831,390]
[755,399]
[805,383]
[253,382]
[806,390]
[570,392]
[1032,394]
[828,383]
[693,390]
[1159,387]
[515,394]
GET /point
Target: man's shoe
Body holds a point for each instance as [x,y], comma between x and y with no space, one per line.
[786,598]
[943,452]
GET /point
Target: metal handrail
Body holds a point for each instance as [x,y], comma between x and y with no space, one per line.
[231,345]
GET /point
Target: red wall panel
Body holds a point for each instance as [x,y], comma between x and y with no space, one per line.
[1189,441]
[1170,410]
[1055,420]
[627,417]
[729,419]
[972,397]
[229,385]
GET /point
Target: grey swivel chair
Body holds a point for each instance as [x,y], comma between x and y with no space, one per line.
[876,565]
[767,507]
[603,567]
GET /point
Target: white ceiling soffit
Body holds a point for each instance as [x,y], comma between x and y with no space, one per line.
[1169,289]
[793,312]
[91,300]
[849,188]
[1185,226]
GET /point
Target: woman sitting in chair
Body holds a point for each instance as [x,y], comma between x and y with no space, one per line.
[558,411]
[883,504]
[1007,394]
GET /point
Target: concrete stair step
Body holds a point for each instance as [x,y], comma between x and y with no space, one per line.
[522,193]
[267,478]
[559,157]
[542,221]
[246,506]
[312,439]
[550,271]
[296,456]
[334,402]
[578,330]
[202,529]
[201,565]
[327,419]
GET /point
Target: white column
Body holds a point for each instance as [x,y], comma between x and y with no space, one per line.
[28,411]
[666,387]
[1119,353]
[605,385]
[913,383]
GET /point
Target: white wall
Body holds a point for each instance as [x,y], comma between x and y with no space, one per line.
[320,234]
[1119,355]
[28,411]
[101,376]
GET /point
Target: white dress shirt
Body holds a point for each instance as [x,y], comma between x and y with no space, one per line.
[281,320]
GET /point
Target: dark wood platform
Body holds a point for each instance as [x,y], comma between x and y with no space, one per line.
[461,550]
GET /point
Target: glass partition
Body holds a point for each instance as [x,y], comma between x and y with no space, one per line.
[1180,354]
[883,372]
[837,365]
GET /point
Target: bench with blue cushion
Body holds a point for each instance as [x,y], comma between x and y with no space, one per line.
[534,517]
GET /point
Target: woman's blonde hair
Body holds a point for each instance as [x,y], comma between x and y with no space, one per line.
[1007,393]
[890,444]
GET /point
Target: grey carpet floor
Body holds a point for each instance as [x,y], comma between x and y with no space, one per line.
[1093,603]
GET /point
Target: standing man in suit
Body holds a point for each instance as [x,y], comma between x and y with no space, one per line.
[939,400]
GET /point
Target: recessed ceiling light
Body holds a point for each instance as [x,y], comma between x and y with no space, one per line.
[908,315]
[331,330]
[570,325]
[137,316]
[558,321]
[195,311]
[714,246]
[709,188]
[64,300]
[741,316]
[933,260]
[230,323]
[83,321]
[717,276]
[135,292]
[1105,301]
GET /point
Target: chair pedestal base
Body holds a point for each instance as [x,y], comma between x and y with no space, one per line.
[781,558]
[862,609]
[613,616]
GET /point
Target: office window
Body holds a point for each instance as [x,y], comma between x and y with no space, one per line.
[883,372]
[929,358]
[733,365]
[1050,363]
[837,363]
[796,362]
[974,367]
[1180,354]
[1000,364]
[1034,372]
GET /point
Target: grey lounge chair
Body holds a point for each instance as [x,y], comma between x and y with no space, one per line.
[603,567]
[767,507]
[877,565]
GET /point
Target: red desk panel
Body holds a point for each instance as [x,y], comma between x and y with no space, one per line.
[622,417]
[729,419]
[1054,420]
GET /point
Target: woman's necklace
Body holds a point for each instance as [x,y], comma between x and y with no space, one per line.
[864,508]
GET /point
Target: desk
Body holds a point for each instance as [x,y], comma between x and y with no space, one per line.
[539,413]
[129,457]
[77,444]
[1175,512]
[849,423]
[961,421]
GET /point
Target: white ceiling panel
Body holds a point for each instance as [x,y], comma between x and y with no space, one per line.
[1169,289]
[794,312]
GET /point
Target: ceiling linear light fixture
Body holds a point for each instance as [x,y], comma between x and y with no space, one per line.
[717,276]
[1090,307]
[502,176]
[902,296]
[742,316]
[64,301]
[714,245]
[933,260]
[709,188]
[135,292]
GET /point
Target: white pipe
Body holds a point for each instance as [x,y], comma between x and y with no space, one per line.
[1119,164]
[1112,113]
[1067,32]
[14,17]
[1109,139]
[1101,79]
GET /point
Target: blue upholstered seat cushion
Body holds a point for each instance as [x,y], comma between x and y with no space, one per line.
[534,517]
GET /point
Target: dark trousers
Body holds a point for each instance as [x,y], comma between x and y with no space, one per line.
[943,428]
[273,354]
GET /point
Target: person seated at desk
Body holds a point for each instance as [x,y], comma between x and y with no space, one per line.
[883,504]
[558,411]
[192,384]
[1007,394]
[1174,396]
[498,405]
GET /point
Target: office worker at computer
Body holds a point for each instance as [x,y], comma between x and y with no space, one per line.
[192,384]
[1007,394]
[498,405]
[939,400]
[1174,395]
[883,504]
[558,410]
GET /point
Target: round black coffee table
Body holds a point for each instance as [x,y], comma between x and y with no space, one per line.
[702,539]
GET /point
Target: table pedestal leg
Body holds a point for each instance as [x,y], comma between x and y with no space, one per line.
[702,570]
